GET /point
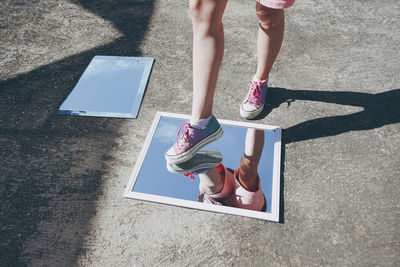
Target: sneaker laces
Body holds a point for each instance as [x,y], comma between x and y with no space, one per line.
[185,137]
[255,91]
[189,175]
[186,133]
[193,172]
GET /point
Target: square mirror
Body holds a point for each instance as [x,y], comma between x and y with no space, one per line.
[110,86]
[153,180]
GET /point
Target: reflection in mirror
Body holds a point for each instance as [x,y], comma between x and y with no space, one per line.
[238,173]
[221,185]
[109,87]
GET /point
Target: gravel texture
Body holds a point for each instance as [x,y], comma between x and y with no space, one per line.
[335,91]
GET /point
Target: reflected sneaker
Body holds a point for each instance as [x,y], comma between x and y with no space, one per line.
[247,199]
[253,103]
[201,162]
[192,140]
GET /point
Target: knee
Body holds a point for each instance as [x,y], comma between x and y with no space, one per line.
[269,18]
[204,11]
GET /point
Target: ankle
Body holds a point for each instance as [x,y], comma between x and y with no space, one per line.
[260,77]
[247,173]
[200,123]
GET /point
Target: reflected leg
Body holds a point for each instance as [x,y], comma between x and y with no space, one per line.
[248,177]
[249,194]
[218,185]
[211,182]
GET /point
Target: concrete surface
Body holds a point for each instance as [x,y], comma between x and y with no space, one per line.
[335,92]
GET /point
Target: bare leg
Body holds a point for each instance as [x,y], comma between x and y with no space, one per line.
[211,182]
[208,51]
[270,37]
[249,162]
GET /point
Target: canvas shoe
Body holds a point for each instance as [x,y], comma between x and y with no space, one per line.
[247,199]
[192,140]
[253,103]
[201,162]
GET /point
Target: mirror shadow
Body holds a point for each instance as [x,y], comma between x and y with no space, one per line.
[54,167]
[227,172]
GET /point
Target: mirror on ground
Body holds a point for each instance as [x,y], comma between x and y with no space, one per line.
[154,178]
[109,87]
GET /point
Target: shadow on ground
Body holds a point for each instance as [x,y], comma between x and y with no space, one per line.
[53,166]
[378,110]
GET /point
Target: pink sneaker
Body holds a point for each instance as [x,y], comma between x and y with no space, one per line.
[254,101]
[192,140]
[201,162]
[247,199]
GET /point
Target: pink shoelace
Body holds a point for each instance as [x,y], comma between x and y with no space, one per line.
[185,135]
[255,91]
[189,175]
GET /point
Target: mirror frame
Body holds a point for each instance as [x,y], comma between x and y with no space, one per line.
[272,216]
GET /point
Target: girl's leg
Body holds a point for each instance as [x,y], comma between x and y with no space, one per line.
[208,50]
[218,183]
[249,162]
[269,42]
[211,182]
[270,37]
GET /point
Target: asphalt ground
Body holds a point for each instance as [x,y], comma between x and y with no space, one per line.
[334,90]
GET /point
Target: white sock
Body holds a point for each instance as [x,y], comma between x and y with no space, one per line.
[258,80]
[200,124]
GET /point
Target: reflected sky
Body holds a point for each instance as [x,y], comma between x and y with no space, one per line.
[155,179]
[110,86]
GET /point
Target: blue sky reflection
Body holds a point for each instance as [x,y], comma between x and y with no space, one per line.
[155,179]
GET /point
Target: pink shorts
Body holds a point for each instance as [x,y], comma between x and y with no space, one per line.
[276,4]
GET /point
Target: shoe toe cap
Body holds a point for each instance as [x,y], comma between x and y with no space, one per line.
[170,152]
[248,107]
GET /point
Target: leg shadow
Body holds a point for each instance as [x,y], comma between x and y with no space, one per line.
[378,110]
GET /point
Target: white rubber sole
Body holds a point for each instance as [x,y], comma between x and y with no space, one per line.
[185,156]
[250,114]
[200,160]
